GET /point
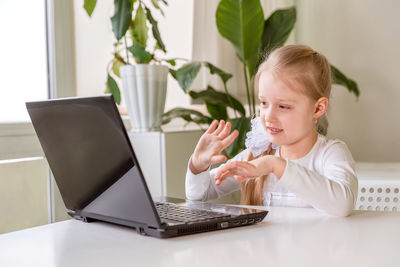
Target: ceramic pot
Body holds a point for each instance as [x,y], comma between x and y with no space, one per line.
[145,89]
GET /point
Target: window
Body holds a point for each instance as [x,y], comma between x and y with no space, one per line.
[23,65]
[25,53]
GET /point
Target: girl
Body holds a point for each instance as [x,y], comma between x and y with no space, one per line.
[286,162]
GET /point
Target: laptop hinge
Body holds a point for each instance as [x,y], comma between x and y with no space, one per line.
[76,215]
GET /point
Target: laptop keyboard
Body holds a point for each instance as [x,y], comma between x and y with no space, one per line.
[175,212]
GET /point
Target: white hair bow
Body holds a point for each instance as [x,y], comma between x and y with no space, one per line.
[257,139]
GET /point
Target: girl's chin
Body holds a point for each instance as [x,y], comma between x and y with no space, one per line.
[275,139]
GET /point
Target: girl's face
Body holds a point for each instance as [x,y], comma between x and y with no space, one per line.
[287,115]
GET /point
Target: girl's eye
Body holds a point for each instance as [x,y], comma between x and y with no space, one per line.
[284,107]
[263,103]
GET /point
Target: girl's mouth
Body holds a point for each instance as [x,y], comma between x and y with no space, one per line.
[274,131]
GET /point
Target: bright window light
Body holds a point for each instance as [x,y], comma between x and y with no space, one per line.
[23,57]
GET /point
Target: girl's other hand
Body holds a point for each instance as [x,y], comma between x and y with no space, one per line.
[243,170]
[211,144]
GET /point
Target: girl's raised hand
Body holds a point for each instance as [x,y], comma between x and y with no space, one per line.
[211,144]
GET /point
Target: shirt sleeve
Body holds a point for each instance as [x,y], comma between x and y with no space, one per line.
[202,186]
[334,190]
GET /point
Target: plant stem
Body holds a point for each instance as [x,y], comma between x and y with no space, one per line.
[253,93]
[229,99]
[126,50]
[247,90]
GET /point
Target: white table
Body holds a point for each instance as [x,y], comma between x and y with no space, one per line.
[287,237]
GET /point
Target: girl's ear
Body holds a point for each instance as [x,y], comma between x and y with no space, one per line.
[321,106]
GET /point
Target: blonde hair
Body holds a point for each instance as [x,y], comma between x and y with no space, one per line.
[301,65]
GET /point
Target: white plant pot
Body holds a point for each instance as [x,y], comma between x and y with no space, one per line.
[145,89]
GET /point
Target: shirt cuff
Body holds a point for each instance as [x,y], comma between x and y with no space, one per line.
[196,185]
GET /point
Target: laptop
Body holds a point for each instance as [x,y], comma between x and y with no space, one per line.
[100,179]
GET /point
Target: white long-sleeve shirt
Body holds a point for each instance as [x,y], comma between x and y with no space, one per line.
[324,179]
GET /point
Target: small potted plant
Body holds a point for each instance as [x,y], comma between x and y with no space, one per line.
[144,77]
[143,74]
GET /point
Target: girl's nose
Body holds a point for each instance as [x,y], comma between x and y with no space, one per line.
[269,115]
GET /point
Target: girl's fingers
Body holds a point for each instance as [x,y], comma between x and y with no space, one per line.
[219,174]
[220,127]
[212,127]
[229,140]
[238,178]
[240,170]
[224,133]
[224,176]
[218,159]
[235,168]
[228,167]
[232,168]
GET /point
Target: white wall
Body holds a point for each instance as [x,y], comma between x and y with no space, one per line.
[362,39]
[94,45]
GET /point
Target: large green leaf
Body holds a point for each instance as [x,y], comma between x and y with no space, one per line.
[188,115]
[214,97]
[186,75]
[277,28]
[112,87]
[89,6]
[140,54]
[217,111]
[243,125]
[141,28]
[242,22]
[339,78]
[122,17]
[215,70]
[156,32]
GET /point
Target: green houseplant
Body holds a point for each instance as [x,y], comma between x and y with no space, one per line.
[242,24]
[132,25]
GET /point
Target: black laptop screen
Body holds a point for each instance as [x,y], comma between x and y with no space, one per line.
[86,152]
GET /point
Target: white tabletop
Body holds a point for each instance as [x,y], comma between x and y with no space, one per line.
[287,237]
